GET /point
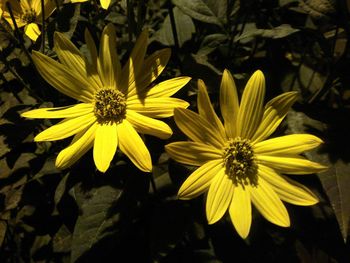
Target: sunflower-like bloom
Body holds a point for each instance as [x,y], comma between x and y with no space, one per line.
[116,102]
[238,164]
[27,14]
[104,3]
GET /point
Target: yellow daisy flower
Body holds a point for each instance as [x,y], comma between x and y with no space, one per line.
[116,102]
[104,3]
[238,164]
[27,14]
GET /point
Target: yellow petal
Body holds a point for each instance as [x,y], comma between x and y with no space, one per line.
[93,57]
[287,189]
[151,69]
[192,153]
[131,144]
[199,181]
[105,3]
[251,108]
[81,143]
[134,63]
[241,210]
[269,204]
[109,65]
[163,89]
[157,107]
[32,31]
[288,144]
[147,125]
[219,197]
[49,7]
[71,57]
[275,111]
[60,112]
[206,110]
[66,128]
[61,78]
[290,165]
[105,145]
[197,128]
[229,103]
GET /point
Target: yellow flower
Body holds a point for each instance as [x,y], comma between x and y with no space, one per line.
[238,165]
[104,3]
[116,102]
[27,14]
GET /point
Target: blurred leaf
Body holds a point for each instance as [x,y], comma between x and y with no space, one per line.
[208,11]
[336,180]
[184,25]
[61,188]
[95,219]
[62,240]
[3,227]
[281,31]
[39,243]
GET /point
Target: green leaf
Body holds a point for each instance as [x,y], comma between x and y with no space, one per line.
[281,31]
[62,240]
[95,219]
[184,26]
[207,11]
[3,227]
[336,180]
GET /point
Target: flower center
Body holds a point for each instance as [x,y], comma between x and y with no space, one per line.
[110,106]
[28,16]
[239,162]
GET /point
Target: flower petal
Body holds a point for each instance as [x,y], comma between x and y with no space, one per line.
[61,78]
[157,107]
[105,146]
[229,103]
[193,153]
[163,89]
[81,143]
[290,165]
[199,181]
[66,128]
[93,57]
[206,110]
[147,125]
[32,31]
[197,128]
[288,144]
[269,204]
[251,108]
[151,69]
[131,144]
[275,111]
[105,3]
[287,189]
[60,112]
[71,57]
[241,210]
[109,65]
[134,63]
[219,197]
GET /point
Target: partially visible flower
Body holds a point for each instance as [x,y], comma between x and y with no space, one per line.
[104,3]
[27,14]
[116,102]
[237,163]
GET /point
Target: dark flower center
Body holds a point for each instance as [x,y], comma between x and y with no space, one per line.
[29,16]
[239,162]
[110,106]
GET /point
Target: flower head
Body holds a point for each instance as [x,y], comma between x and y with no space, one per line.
[28,14]
[116,102]
[238,165]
